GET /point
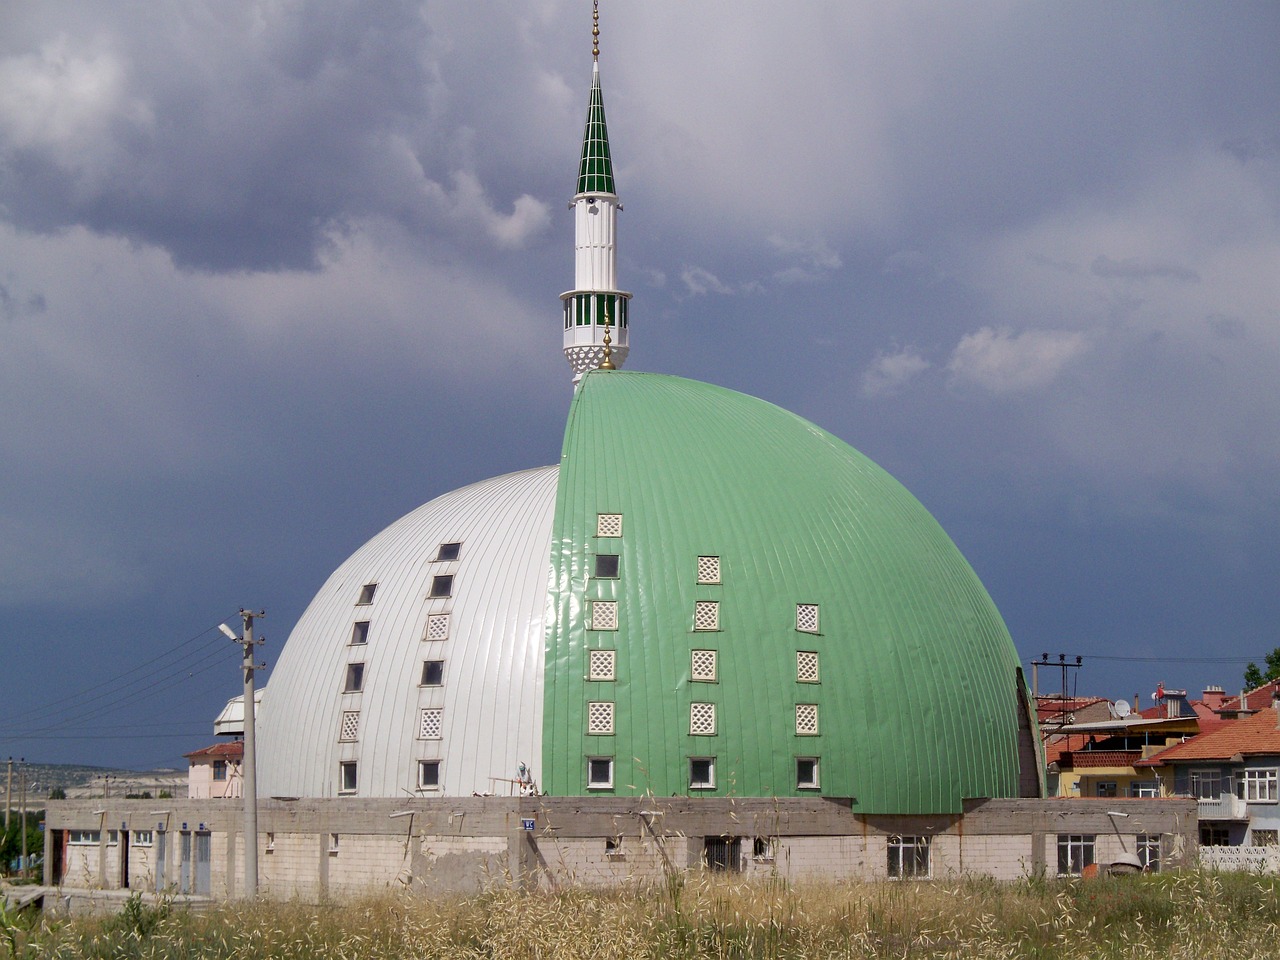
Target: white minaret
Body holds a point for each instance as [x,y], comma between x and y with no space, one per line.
[595,310]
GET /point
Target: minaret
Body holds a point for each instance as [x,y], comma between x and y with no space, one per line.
[595,311]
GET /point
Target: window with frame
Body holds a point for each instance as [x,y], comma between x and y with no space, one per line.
[702,719]
[441,585]
[708,570]
[600,718]
[144,838]
[1144,788]
[908,857]
[807,773]
[806,666]
[432,673]
[602,664]
[613,849]
[360,632]
[334,838]
[79,837]
[1206,785]
[348,776]
[350,728]
[606,566]
[604,614]
[599,773]
[449,551]
[608,525]
[702,666]
[702,773]
[1107,788]
[1214,835]
[1258,786]
[429,774]
[706,615]
[437,627]
[764,849]
[355,678]
[366,594]
[1075,852]
[219,770]
[807,617]
[806,719]
[1148,850]
[431,723]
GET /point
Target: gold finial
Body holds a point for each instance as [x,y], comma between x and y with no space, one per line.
[595,29]
[608,353]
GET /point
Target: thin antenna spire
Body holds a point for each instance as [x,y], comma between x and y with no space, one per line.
[595,29]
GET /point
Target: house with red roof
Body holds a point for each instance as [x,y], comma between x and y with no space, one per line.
[215,772]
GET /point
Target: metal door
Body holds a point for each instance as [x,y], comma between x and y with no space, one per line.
[204,859]
[159,850]
[723,853]
[184,858]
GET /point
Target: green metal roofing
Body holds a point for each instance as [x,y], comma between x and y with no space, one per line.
[595,172]
[919,692]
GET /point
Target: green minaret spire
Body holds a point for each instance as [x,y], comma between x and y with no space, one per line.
[595,172]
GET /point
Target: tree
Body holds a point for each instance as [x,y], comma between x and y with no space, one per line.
[57,793]
[1253,677]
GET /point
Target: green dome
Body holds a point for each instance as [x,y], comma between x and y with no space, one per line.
[846,628]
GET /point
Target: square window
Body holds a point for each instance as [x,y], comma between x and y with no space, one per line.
[600,718]
[599,773]
[807,773]
[432,673]
[702,773]
[606,566]
[350,725]
[706,615]
[708,569]
[602,665]
[429,774]
[613,848]
[441,585]
[355,678]
[348,777]
[219,769]
[431,723]
[1075,852]
[762,848]
[608,525]
[806,719]
[438,626]
[807,617]
[1108,788]
[702,719]
[702,668]
[366,593]
[604,614]
[908,857]
[806,666]
[360,632]
[449,551]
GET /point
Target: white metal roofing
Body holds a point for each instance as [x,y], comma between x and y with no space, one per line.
[493,658]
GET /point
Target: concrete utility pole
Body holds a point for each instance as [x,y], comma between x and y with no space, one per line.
[8,796]
[22,776]
[249,764]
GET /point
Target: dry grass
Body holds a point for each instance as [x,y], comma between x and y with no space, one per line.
[1172,916]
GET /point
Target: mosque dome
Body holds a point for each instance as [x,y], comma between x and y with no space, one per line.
[708,596]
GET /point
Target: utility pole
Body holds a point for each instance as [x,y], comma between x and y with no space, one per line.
[8,796]
[22,777]
[249,763]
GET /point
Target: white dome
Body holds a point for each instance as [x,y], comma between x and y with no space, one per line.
[484,717]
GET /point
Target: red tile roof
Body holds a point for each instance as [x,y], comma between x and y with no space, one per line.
[1252,735]
[1258,697]
[219,751]
[1104,758]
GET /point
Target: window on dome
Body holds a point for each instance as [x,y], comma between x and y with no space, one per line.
[702,719]
[441,585]
[429,774]
[606,566]
[604,615]
[807,773]
[602,665]
[702,773]
[350,725]
[806,719]
[348,776]
[708,569]
[600,718]
[431,723]
[449,551]
[608,525]
[702,667]
[599,773]
[806,666]
[706,615]
[438,626]
[432,673]
[366,594]
[807,617]
[355,678]
[360,632]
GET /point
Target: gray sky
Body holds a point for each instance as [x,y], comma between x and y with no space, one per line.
[272,274]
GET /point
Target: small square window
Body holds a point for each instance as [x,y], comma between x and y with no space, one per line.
[219,770]
[348,776]
[441,585]
[350,725]
[807,617]
[807,719]
[604,615]
[432,673]
[333,842]
[431,723]
[355,678]
[763,848]
[366,593]
[429,774]
[807,773]
[806,666]
[702,719]
[600,718]
[706,615]
[606,566]
[708,569]
[599,773]
[608,525]
[602,665]
[360,632]
[702,773]
[438,626]
[613,848]
[449,551]
[702,667]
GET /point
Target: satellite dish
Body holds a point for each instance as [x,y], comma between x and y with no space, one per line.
[1123,709]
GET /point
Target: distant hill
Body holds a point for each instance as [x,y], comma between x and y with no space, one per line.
[85,781]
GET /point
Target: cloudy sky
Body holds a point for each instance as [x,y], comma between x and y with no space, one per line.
[274,273]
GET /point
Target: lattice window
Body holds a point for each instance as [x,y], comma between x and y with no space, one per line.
[807,719]
[350,725]
[702,719]
[706,615]
[703,666]
[807,617]
[602,665]
[609,525]
[438,626]
[708,569]
[604,614]
[600,718]
[806,666]
[431,726]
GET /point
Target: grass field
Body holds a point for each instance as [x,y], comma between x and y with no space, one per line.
[1170,916]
